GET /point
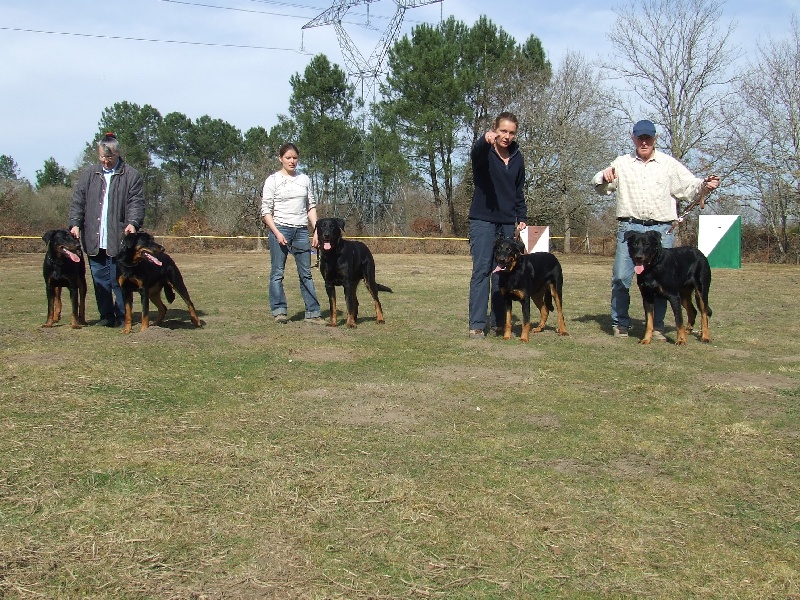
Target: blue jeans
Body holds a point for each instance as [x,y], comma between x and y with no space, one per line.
[107,292]
[482,235]
[622,275]
[299,244]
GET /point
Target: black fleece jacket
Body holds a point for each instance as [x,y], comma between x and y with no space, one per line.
[498,196]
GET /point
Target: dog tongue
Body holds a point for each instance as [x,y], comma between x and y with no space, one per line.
[497,269]
[326,246]
[152,258]
[639,269]
[72,256]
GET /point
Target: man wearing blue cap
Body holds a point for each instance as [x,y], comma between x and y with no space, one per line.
[649,185]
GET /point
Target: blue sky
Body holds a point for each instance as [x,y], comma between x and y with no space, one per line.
[54,87]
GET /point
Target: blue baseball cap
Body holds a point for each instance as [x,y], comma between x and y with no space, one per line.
[644,127]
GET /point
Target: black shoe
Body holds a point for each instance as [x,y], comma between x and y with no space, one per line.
[106,323]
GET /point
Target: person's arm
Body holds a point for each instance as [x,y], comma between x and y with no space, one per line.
[77,208]
[521,206]
[134,205]
[267,205]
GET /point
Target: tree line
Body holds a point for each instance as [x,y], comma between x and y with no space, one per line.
[398,163]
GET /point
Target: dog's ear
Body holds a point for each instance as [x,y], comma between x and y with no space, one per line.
[655,235]
[48,235]
[628,235]
[519,245]
[340,223]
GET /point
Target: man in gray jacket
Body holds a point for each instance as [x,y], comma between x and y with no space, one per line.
[107,203]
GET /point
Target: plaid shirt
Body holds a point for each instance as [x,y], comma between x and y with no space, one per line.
[649,190]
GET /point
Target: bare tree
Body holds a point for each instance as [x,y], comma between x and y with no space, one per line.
[674,58]
[764,135]
[564,134]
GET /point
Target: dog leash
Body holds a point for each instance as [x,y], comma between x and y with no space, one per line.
[690,208]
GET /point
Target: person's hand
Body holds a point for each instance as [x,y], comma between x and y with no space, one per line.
[709,185]
[609,175]
[314,240]
[76,232]
[281,239]
[129,229]
[521,226]
[490,137]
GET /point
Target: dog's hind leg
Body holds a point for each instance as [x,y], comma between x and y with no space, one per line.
[691,312]
[155,297]
[540,301]
[373,291]
[177,285]
[556,293]
[705,313]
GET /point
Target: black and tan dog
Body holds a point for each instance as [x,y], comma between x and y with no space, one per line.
[672,273]
[346,262]
[64,267]
[144,265]
[525,277]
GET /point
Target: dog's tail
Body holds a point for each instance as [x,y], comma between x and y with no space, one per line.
[169,293]
[383,288]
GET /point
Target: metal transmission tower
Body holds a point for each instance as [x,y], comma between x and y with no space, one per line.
[367,72]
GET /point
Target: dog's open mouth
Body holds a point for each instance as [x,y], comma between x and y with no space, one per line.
[151,258]
[638,269]
[71,255]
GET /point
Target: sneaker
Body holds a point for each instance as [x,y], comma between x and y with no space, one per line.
[620,331]
[315,320]
[476,334]
[281,318]
[658,336]
[106,323]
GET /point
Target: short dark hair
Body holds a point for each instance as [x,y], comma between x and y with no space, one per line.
[286,147]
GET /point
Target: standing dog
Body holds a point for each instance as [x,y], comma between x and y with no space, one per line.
[525,277]
[64,267]
[674,274]
[346,263]
[144,265]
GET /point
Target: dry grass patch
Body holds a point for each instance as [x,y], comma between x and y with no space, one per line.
[252,460]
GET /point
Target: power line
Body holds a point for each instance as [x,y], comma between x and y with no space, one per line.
[275,14]
[135,39]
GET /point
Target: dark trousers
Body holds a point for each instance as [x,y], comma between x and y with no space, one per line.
[107,292]
[482,235]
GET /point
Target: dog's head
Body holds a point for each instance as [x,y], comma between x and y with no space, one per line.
[329,232]
[643,247]
[507,253]
[141,245]
[61,244]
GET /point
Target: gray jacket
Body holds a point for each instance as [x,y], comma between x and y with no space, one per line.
[125,206]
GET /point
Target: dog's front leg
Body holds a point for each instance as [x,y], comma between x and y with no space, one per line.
[145,309]
[51,305]
[525,300]
[675,303]
[331,290]
[507,326]
[649,316]
[127,298]
[352,303]
[74,320]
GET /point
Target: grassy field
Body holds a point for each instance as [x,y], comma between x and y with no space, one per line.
[252,460]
